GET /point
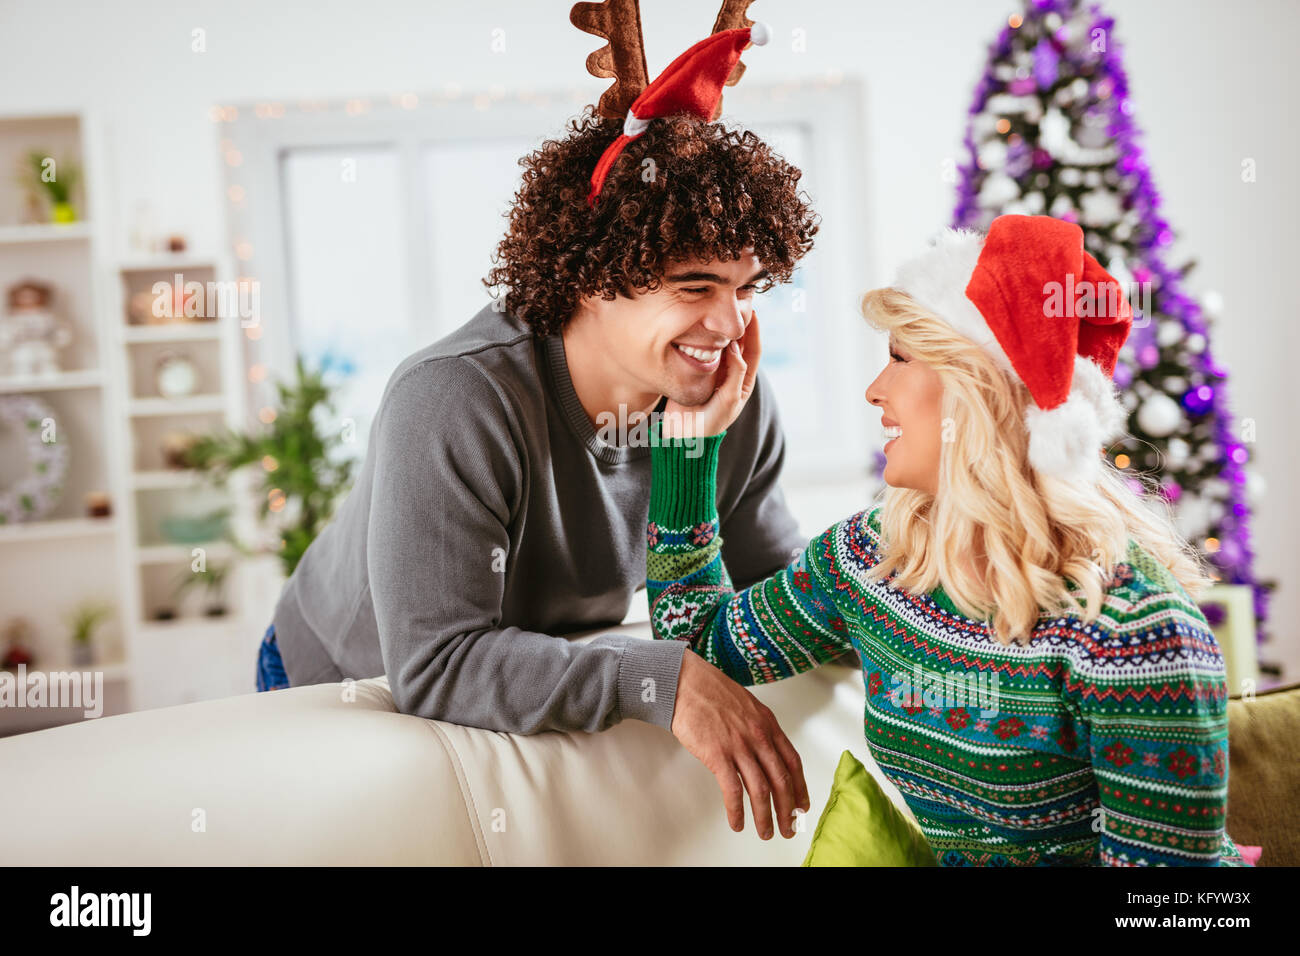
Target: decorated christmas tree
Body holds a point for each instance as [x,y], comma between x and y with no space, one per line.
[1051,132]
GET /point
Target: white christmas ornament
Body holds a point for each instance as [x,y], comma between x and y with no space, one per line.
[993,153]
[1006,104]
[1099,208]
[997,190]
[1177,452]
[1092,136]
[1159,415]
[1169,333]
[1054,133]
[1060,206]
[1214,487]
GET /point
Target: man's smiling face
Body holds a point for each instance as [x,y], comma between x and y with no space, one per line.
[670,341]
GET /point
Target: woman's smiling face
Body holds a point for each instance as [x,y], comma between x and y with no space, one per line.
[910,397]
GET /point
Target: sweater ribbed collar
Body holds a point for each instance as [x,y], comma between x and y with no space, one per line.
[562,389]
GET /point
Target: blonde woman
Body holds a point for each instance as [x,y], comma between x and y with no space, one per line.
[1007,554]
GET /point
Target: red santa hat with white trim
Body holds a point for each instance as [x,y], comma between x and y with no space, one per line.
[692,83]
[1047,313]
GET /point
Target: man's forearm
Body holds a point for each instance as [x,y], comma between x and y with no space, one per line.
[518,681]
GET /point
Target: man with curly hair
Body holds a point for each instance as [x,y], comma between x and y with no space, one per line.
[495,511]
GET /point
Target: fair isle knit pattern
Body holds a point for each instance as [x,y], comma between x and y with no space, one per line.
[1102,743]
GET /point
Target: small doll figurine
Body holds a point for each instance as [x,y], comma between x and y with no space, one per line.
[30,334]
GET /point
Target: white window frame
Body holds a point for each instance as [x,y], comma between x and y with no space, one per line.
[833,113]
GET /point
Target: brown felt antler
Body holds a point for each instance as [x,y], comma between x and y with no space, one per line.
[623,57]
[731,16]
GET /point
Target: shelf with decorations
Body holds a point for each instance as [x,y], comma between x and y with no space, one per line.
[177,328]
[59,531]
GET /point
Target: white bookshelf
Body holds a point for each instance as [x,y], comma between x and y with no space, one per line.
[170,634]
[114,419]
[49,566]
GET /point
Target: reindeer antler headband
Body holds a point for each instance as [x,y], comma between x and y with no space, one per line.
[692,83]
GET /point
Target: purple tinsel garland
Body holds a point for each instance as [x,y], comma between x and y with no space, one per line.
[1235,557]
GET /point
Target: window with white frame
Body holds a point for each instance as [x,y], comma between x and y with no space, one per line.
[378,230]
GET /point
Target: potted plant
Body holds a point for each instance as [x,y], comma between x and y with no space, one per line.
[213,581]
[303,472]
[84,620]
[58,187]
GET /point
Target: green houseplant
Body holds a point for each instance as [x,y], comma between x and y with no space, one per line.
[213,581]
[83,621]
[58,187]
[303,475]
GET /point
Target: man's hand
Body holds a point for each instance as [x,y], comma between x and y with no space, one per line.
[728,730]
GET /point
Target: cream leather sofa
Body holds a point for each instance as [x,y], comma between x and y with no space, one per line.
[303,776]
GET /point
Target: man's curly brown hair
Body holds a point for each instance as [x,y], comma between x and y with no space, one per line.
[709,193]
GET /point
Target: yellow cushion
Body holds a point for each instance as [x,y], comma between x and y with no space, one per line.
[1264,775]
[861,826]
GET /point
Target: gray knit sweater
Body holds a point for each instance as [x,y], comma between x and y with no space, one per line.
[488,517]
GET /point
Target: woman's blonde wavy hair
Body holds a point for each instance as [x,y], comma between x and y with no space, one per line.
[1036,531]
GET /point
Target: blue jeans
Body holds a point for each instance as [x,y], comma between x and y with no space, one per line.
[270,668]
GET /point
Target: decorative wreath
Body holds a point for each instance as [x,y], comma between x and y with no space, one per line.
[35,495]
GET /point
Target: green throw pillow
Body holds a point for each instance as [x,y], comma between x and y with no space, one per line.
[861,826]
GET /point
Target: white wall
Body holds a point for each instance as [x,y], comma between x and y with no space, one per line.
[1214,84]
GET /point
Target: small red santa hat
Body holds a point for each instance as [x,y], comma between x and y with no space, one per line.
[1047,313]
[692,83]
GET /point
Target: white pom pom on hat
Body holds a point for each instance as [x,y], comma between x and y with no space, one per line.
[1011,294]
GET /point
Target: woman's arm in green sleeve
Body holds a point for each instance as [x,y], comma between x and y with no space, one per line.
[781,626]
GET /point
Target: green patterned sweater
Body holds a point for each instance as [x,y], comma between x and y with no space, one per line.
[1102,743]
